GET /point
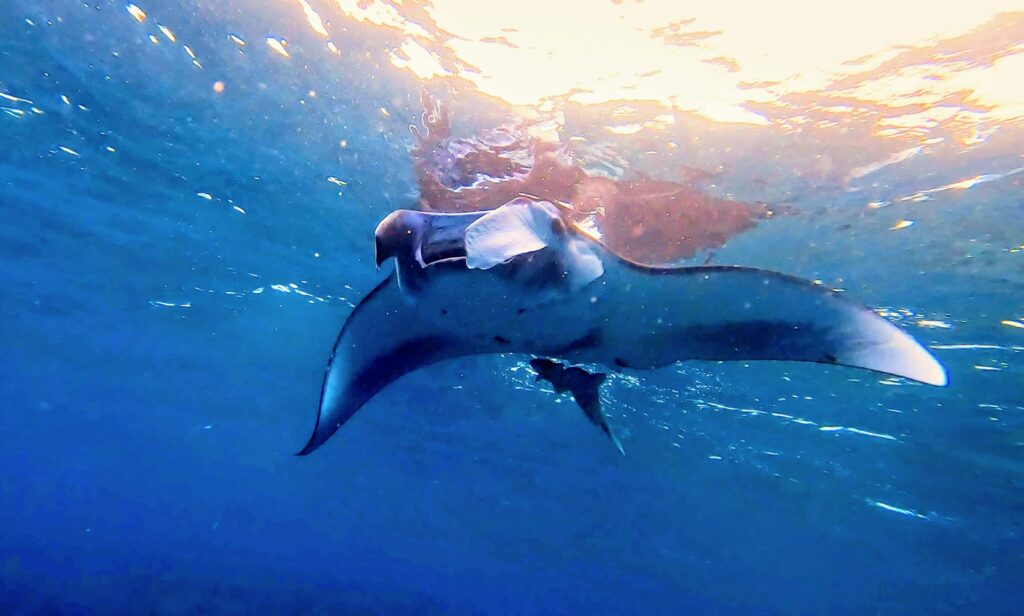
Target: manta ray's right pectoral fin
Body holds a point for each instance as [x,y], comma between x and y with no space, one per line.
[749,314]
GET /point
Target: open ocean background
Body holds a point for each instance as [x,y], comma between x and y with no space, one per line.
[175,263]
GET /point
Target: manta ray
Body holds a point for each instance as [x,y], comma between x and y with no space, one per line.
[519,279]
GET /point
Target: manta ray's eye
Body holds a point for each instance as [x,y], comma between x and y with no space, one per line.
[558,226]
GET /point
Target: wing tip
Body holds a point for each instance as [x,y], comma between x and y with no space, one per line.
[310,447]
[908,360]
[316,439]
[919,364]
[884,347]
[932,372]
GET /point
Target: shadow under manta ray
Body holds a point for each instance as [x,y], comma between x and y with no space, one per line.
[519,280]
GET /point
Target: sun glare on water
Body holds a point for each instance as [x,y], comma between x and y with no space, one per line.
[716,58]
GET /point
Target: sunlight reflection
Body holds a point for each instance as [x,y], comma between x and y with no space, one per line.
[905,67]
[137,13]
[381,13]
[876,85]
[168,33]
[414,57]
[925,195]
[313,18]
[278,45]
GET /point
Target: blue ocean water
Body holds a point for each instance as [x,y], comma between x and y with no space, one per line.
[176,262]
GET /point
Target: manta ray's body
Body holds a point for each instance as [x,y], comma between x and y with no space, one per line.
[518,280]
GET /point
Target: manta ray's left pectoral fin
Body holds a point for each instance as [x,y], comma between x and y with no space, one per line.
[385,338]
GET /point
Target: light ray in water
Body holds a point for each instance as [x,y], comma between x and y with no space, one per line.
[136,12]
[900,510]
[278,45]
[315,22]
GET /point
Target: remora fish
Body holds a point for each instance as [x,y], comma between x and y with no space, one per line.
[519,280]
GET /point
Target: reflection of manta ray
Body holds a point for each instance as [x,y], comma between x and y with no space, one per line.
[518,280]
[639,217]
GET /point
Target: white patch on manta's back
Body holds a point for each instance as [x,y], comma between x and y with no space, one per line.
[523,226]
[583,264]
[518,227]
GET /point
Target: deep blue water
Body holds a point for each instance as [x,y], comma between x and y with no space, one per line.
[162,353]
